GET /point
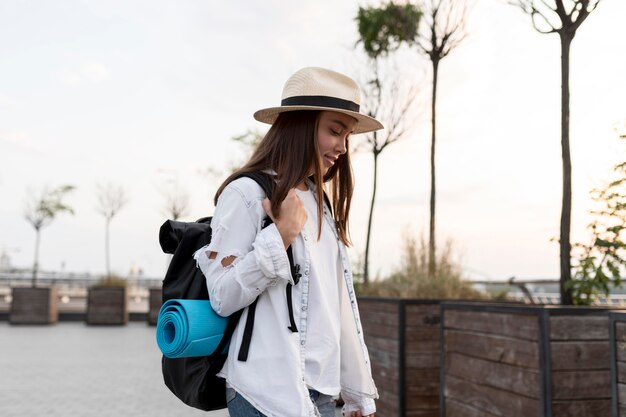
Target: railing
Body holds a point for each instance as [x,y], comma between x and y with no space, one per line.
[23,279]
[541,291]
[72,289]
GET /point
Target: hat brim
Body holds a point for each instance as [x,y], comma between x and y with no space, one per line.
[364,123]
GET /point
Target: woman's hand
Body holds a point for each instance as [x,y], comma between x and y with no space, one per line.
[291,217]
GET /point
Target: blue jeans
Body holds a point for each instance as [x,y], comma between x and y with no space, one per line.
[239,407]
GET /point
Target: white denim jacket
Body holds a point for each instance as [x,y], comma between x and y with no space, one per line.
[272,378]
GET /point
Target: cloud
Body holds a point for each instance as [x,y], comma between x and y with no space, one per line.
[20,139]
[87,73]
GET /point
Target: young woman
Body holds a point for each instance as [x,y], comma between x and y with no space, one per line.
[307,347]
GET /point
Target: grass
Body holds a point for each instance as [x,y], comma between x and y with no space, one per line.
[412,280]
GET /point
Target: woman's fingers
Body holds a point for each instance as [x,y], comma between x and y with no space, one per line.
[291,216]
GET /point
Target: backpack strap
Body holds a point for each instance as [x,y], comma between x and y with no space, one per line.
[266,182]
[295,274]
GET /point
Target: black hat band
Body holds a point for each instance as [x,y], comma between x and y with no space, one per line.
[321,101]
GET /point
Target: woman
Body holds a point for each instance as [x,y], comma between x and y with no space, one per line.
[307,347]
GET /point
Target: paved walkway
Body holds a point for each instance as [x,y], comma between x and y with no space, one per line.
[70,369]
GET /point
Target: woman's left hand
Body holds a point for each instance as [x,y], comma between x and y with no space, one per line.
[358,414]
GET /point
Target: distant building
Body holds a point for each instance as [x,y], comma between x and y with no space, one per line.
[5,261]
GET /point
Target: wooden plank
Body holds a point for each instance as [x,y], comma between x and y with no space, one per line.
[620,341]
[382,343]
[493,347]
[386,379]
[573,355]
[521,326]
[367,306]
[422,402]
[579,327]
[379,330]
[421,413]
[621,372]
[422,346]
[383,317]
[515,379]
[621,394]
[586,408]
[490,400]
[387,404]
[458,409]
[417,335]
[423,315]
[387,364]
[620,330]
[424,382]
[573,385]
[383,361]
[422,360]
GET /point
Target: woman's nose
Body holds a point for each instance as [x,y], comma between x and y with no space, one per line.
[341,145]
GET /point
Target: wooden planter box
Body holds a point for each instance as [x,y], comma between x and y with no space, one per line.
[107,305]
[506,361]
[34,306]
[617,336]
[402,337]
[155,301]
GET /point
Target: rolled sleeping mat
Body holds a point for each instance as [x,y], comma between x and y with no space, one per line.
[187,328]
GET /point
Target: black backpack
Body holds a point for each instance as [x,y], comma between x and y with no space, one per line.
[193,380]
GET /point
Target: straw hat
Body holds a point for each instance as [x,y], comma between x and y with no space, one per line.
[321,89]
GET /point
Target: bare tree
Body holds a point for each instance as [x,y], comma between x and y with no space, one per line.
[562,17]
[41,208]
[176,201]
[381,31]
[442,29]
[111,199]
[391,102]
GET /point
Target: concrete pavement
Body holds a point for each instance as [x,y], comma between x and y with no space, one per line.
[71,369]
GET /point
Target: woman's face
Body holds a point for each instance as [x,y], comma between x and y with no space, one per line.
[332,136]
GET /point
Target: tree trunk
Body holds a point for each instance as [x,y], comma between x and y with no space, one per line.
[106,247]
[566,207]
[369,222]
[36,262]
[431,235]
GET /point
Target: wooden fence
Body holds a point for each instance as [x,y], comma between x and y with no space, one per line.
[402,337]
[545,361]
[617,337]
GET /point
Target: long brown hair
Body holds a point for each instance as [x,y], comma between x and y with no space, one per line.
[290,149]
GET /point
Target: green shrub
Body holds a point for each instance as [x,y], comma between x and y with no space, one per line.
[111,281]
[412,280]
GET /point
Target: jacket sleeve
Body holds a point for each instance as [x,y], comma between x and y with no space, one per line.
[261,260]
[352,403]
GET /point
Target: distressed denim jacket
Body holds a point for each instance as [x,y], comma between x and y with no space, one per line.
[272,378]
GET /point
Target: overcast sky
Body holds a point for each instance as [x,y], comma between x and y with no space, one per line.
[149,93]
